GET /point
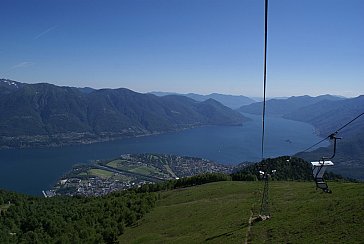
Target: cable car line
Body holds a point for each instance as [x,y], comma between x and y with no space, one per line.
[265,74]
[333,134]
[264,208]
[351,121]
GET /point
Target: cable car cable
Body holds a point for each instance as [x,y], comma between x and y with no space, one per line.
[332,134]
[264,208]
[265,74]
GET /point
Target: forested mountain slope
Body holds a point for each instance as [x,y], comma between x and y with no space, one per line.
[330,115]
[42,114]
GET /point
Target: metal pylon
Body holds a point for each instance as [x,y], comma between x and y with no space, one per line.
[264,208]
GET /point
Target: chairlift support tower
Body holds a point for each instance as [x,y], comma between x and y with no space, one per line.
[264,207]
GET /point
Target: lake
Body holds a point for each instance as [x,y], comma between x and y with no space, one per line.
[33,170]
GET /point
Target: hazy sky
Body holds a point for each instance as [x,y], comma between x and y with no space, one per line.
[202,46]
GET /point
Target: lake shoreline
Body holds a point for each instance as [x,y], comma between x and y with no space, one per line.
[74,139]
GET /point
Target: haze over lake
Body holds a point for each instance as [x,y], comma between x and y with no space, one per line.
[32,170]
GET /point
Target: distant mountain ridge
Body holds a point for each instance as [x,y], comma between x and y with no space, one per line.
[8,86]
[231,101]
[280,107]
[329,115]
[45,114]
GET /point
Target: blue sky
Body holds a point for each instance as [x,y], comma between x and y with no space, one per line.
[202,46]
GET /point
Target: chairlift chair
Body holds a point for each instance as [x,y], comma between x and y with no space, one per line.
[319,168]
[318,171]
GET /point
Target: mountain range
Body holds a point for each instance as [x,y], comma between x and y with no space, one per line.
[44,114]
[280,107]
[231,101]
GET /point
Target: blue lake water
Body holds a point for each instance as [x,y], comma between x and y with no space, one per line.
[32,170]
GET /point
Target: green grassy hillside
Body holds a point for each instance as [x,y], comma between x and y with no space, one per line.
[219,213]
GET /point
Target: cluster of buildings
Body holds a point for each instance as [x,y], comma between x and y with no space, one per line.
[92,186]
[192,166]
[132,170]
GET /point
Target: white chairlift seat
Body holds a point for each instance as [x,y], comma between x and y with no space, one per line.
[318,171]
[320,167]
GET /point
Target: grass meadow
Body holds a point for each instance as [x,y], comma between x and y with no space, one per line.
[219,213]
